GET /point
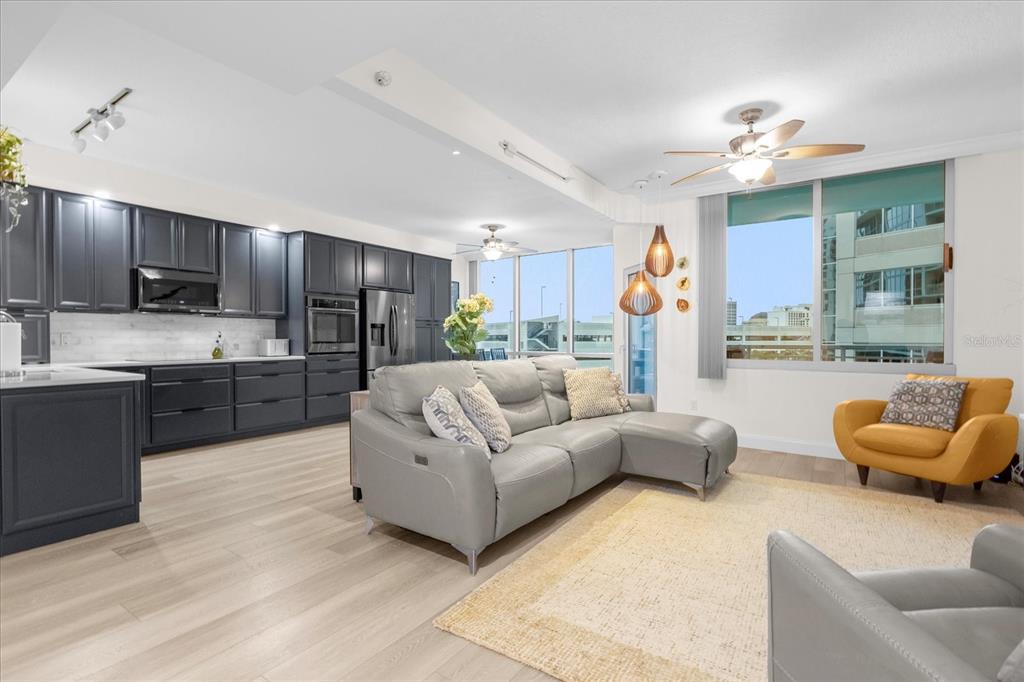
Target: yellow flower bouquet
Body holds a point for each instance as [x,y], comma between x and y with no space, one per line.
[464,328]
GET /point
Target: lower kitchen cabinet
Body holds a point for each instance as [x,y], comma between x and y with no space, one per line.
[329,380]
[69,462]
[268,414]
[189,425]
[327,406]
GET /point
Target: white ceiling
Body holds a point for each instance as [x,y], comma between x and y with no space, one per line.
[231,93]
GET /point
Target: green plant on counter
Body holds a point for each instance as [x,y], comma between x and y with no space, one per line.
[464,328]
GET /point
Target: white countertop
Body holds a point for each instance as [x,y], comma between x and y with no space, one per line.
[47,376]
[177,361]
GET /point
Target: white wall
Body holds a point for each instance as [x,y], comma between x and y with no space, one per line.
[84,174]
[791,410]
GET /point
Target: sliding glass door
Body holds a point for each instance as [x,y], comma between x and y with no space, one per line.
[641,347]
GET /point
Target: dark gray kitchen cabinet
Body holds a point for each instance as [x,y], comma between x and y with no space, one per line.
[375,266]
[73,262]
[69,462]
[424,341]
[25,254]
[432,287]
[112,256]
[156,238]
[347,261]
[399,270]
[442,288]
[320,265]
[35,335]
[237,253]
[91,254]
[169,240]
[197,239]
[271,273]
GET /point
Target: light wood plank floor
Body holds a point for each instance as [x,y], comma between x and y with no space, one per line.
[251,564]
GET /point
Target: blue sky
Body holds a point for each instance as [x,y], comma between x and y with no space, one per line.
[770,264]
[594,284]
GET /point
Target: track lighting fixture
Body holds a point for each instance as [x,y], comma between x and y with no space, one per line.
[103,121]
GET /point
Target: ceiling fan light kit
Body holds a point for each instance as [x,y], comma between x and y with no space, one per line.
[493,247]
[752,153]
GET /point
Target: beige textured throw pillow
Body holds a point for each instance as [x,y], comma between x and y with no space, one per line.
[591,393]
[483,410]
[446,419]
[620,393]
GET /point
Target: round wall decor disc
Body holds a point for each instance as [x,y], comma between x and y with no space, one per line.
[682,305]
[683,284]
[682,262]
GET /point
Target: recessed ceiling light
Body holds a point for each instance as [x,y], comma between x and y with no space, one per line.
[456,152]
[101,194]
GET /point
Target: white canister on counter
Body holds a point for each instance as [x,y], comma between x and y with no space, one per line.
[10,345]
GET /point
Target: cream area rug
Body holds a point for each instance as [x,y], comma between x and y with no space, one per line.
[648,583]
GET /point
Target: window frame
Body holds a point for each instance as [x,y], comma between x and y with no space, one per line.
[515,349]
[817,364]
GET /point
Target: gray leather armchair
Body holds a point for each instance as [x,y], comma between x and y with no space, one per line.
[929,624]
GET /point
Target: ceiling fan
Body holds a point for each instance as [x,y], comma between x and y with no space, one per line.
[493,247]
[752,153]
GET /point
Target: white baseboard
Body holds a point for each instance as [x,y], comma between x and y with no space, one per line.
[798,447]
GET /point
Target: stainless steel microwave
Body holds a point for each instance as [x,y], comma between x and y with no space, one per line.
[178,291]
[332,324]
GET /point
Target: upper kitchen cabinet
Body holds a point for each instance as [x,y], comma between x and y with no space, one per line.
[332,265]
[432,286]
[271,273]
[169,240]
[24,254]
[387,268]
[237,253]
[91,254]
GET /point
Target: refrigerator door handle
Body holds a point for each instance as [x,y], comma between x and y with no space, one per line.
[393,329]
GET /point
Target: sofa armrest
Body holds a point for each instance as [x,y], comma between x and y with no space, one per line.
[999,550]
[430,485]
[985,445]
[824,624]
[641,402]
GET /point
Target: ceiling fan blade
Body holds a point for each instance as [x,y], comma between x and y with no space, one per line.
[769,177]
[703,172]
[518,251]
[809,151]
[721,155]
[776,137]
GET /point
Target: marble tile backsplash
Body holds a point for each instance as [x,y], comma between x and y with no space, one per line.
[90,337]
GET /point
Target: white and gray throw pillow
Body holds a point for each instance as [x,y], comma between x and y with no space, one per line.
[591,393]
[931,403]
[446,419]
[483,410]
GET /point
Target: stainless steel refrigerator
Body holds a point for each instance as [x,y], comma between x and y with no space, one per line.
[389,330]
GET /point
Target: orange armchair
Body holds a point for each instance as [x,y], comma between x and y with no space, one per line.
[981,447]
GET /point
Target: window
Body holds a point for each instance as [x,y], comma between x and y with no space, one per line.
[543,283]
[593,300]
[495,278]
[770,275]
[882,277]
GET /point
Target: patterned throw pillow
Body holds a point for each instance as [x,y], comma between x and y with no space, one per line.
[591,393]
[482,409]
[446,419]
[930,403]
[619,393]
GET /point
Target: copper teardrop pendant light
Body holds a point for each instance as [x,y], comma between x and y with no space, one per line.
[659,261]
[640,297]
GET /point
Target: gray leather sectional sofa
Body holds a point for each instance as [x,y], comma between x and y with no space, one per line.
[469,497]
[928,624]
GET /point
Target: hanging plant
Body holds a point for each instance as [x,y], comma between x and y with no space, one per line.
[465,327]
[13,183]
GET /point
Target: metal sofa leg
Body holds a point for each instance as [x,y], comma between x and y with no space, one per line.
[471,555]
[699,489]
[369,525]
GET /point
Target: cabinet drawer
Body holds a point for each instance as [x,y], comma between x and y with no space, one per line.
[186,372]
[189,395]
[173,427]
[263,415]
[331,363]
[251,369]
[327,406]
[324,383]
[275,387]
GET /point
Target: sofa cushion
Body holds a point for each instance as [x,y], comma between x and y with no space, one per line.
[901,439]
[595,450]
[941,587]
[516,387]
[398,391]
[530,481]
[983,395]
[676,447]
[552,380]
[983,637]
[482,409]
[1012,669]
[925,402]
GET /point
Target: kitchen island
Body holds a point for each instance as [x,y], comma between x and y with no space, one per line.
[70,450]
